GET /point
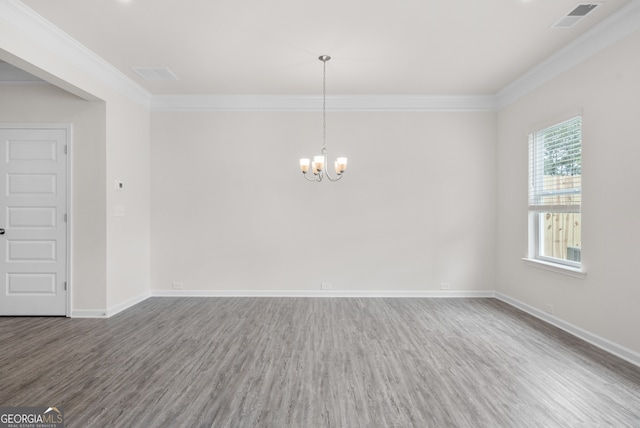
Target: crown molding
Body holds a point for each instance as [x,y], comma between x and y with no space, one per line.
[35,28]
[614,28]
[314,103]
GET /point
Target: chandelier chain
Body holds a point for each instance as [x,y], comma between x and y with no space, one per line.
[324,105]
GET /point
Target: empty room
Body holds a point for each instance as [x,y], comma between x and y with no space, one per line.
[319,214]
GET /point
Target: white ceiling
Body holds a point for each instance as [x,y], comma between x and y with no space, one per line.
[433,47]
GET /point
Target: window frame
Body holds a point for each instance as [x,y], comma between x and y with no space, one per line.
[536,211]
[538,231]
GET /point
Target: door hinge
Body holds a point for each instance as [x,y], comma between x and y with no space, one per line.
[65,286]
[65,217]
[66,149]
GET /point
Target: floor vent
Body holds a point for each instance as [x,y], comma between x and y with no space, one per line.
[156,74]
[576,15]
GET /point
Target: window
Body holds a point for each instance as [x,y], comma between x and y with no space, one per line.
[555,188]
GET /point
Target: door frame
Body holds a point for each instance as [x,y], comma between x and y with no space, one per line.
[68,127]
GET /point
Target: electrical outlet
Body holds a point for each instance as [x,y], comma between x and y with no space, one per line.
[178,285]
[548,308]
[445,285]
[325,285]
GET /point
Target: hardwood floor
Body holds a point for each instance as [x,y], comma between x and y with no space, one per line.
[311,362]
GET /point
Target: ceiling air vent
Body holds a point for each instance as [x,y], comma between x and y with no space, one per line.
[156,74]
[573,17]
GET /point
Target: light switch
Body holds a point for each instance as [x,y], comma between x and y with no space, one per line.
[119,185]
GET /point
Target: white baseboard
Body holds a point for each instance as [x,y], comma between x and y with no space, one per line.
[127,304]
[101,313]
[109,312]
[600,342]
[88,313]
[321,293]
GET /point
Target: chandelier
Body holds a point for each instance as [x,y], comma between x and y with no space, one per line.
[320,162]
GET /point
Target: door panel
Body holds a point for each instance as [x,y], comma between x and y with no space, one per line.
[31,217]
[34,283]
[33,265]
[31,184]
[31,150]
[31,251]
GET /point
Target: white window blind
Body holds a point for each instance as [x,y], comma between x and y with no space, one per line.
[555,168]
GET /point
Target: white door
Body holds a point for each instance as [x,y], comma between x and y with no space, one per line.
[33,247]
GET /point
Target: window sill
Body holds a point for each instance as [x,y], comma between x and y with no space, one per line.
[553,267]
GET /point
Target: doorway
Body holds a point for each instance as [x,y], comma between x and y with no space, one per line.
[33,220]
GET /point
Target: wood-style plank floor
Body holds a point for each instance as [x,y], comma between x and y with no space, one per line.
[312,362]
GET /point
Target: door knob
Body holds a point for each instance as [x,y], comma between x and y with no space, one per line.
[1,231]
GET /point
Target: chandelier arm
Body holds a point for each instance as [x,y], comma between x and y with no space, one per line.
[326,166]
[319,178]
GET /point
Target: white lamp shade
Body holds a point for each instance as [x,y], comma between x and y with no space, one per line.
[341,164]
[319,162]
[304,165]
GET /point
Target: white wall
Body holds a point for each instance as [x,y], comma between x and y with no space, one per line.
[231,210]
[605,303]
[48,104]
[128,237]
